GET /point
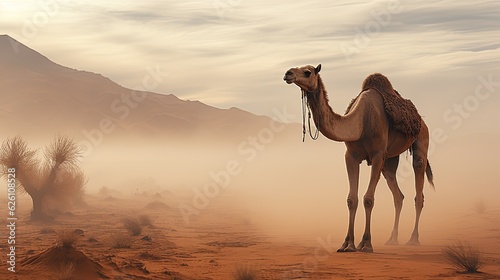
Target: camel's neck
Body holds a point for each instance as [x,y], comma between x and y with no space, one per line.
[332,125]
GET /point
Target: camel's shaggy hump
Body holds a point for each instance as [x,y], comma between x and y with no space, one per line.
[401,112]
[379,82]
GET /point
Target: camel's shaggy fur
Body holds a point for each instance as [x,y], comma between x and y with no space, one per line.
[402,113]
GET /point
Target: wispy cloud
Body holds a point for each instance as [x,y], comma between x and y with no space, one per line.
[238,59]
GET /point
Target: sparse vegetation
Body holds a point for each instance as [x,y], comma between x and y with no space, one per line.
[148,256]
[463,256]
[133,226]
[145,220]
[66,270]
[53,182]
[92,239]
[122,241]
[244,272]
[64,261]
[67,238]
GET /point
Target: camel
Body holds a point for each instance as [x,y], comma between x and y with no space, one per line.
[368,135]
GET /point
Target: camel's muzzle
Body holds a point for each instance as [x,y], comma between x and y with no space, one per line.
[289,78]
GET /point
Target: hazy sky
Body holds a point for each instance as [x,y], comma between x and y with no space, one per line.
[234,52]
[443,55]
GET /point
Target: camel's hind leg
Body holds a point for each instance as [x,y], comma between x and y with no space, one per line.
[389,172]
[419,149]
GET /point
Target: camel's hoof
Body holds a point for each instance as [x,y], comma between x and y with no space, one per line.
[392,242]
[413,243]
[365,246]
[347,249]
[366,249]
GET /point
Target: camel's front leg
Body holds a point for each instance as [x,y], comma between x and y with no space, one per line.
[368,201]
[352,201]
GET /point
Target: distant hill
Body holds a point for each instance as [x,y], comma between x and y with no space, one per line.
[39,98]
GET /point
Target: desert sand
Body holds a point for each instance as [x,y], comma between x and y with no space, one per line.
[225,238]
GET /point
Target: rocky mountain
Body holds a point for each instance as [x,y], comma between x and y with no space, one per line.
[39,98]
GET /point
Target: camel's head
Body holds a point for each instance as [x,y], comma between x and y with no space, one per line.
[305,77]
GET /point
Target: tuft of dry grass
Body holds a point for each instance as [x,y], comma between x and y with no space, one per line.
[148,256]
[122,241]
[67,238]
[244,272]
[463,256]
[132,225]
[92,239]
[145,220]
[65,271]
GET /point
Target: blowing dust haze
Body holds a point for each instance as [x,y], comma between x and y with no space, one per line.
[169,145]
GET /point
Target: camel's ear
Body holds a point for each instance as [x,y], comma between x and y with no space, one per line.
[317,69]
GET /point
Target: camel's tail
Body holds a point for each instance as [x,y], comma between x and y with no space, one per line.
[430,176]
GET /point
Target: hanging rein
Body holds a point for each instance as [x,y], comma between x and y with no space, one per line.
[306,107]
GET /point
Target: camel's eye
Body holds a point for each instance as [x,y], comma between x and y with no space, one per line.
[307,73]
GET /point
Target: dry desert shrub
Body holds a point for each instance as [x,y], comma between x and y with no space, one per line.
[463,256]
[148,256]
[67,238]
[122,241]
[54,181]
[244,272]
[92,239]
[65,261]
[66,270]
[133,226]
[145,220]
